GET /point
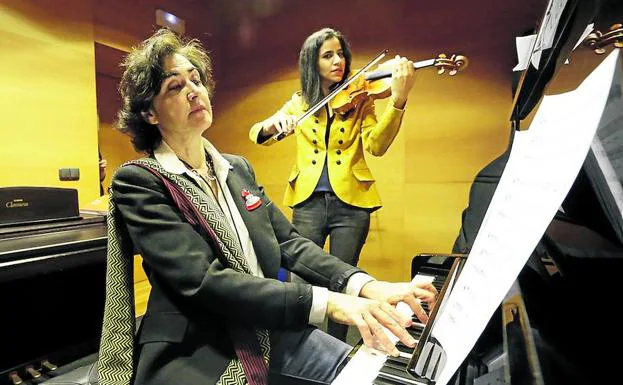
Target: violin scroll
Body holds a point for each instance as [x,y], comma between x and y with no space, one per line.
[453,64]
[597,41]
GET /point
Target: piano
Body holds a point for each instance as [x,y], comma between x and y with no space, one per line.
[369,366]
[52,270]
[556,324]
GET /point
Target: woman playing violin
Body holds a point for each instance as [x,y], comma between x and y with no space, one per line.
[330,187]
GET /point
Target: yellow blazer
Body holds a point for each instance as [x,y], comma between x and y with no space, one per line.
[349,135]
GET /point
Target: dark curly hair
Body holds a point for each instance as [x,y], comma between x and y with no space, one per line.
[142,77]
[308,63]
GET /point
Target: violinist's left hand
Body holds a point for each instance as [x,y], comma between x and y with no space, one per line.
[403,78]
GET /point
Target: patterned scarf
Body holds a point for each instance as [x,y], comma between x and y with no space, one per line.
[117,344]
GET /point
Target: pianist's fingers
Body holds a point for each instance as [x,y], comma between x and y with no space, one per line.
[394,325]
[378,339]
[430,296]
[425,291]
[366,334]
[401,319]
[422,292]
[414,304]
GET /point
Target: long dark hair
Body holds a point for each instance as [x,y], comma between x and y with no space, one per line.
[308,63]
[142,78]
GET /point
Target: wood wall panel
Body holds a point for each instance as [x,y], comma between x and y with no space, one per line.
[48,110]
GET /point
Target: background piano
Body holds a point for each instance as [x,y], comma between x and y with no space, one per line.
[52,269]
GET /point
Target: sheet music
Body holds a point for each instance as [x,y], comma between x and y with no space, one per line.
[542,166]
[589,28]
[547,30]
[524,46]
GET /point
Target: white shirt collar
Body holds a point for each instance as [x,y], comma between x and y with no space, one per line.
[170,162]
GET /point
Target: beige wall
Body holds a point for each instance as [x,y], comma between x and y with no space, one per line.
[48,111]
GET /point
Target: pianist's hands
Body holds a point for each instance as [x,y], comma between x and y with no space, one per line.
[408,292]
[369,316]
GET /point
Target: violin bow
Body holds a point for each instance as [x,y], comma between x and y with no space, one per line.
[330,96]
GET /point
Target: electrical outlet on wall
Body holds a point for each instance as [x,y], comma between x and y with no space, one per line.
[69,174]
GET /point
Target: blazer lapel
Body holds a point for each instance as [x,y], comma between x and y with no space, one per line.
[257,222]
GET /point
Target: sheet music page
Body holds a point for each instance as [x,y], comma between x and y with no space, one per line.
[547,30]
[524,46]
[542,166]
[589,28]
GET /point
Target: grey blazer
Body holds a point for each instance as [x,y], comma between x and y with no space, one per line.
[183,337]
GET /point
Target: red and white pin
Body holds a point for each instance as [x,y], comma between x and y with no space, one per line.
[251,202]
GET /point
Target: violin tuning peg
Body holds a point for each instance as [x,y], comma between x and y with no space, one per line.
[441,71]
[452,72]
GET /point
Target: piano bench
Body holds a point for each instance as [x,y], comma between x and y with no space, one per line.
[84,375]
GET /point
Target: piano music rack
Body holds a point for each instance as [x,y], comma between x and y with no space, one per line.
[429,356]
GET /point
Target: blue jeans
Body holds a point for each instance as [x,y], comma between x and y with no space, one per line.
[325,215]
[310,356]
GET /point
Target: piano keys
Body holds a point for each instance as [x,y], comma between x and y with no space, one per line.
[368,366]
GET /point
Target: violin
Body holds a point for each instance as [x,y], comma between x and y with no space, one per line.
[377,85]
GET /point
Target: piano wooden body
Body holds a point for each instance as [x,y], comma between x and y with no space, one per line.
[557,324]
[52,270]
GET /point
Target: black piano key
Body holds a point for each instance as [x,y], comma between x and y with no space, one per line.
[394,380]
[398,360]
[417,323]
[395,365]
[398,376]
[415,328]
[389,369]
[384,381]
[415,333]
[404,348]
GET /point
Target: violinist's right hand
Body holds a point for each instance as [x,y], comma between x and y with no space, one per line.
[279,123]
